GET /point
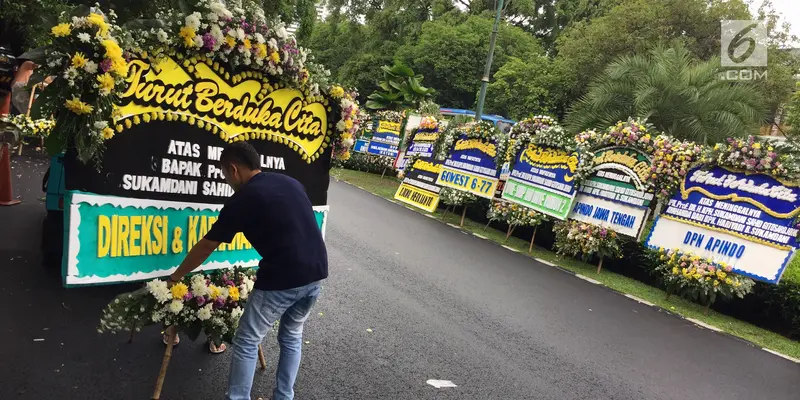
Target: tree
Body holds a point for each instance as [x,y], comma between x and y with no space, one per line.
[451,53]
[634,27]
[677,94]
[793,113]
[525,87]
[400,90]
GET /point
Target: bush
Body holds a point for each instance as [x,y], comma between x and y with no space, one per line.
[367,163]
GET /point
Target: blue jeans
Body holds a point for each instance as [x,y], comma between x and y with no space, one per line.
[263,308]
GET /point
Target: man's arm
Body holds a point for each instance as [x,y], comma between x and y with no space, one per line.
[197,255]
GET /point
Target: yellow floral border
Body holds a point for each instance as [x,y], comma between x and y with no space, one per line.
[189,64]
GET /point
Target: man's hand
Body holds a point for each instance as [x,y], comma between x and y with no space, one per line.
[197,255]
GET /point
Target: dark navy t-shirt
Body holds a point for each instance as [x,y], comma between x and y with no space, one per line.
[275,215]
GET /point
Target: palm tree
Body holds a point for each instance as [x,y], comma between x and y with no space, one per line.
[401,89]
[676,94]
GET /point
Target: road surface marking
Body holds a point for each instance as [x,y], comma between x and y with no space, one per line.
[437,383]
[704,325]
[587,279]
[639,300]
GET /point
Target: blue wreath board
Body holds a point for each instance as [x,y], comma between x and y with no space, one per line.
[743,219]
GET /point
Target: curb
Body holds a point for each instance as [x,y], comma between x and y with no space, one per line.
[590,280]
[703,324]
[479,236]
[510,248]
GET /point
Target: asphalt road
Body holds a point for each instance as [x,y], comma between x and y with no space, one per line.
[440,304]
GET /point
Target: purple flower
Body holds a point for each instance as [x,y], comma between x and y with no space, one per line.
[219,303]
[188,296]
[209,42]
[229,283]
[200,300]
[105,65]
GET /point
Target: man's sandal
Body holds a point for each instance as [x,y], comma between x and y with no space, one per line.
[165,337]
[213,349]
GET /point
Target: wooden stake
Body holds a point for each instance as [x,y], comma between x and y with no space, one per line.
[133,330]
[600,265]
[383,173]
[30,104]
[165,362]
[445,211]
[510,231]
[261,359]
[530,249]
[463,214]
[487,225]
[708,306]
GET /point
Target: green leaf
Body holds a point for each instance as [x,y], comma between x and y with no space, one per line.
[45,99]
[402,70]
[36,55]
[54,144]
[374,105]
[80,11]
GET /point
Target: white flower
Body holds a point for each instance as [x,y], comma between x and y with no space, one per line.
[84,37]
[175,306]
[216,33]
[162,36]
[349,142]
[273,44]
[259,38]
[204,313]
[199,287]
[341,126]
[198,41]
[159,290]
[239,33]
[100,124]
[90,67]
[70,73]
[346,103]
[193,20]
[236,313]
[282,32]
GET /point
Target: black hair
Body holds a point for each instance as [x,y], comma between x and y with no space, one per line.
[240,153]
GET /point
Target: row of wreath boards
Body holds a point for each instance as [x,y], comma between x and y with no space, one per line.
[744,220]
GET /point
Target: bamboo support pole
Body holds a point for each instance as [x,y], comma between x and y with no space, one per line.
[165,363]
[261,359]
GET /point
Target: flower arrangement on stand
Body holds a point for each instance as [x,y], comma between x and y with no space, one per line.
[429,124]
[575,238]
[25,127]
[348,125]
[752,154]
[212,304]
[90,68]
[672,160]
[454,198]
[699,279]
[389,115]
[630,133]
[514,215]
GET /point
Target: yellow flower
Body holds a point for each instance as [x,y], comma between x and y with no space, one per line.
[187,33]
[756,145]
[247,44]
[78,107]
[728,281]
[275,57]
[61,30]
[78,60]
[179,290]
[98,21]
[214,291]
[108,133]
[348,124]
[120,67]
[716,283]
[337,91]
[346,155]
[113,51]
[233,293]
[261,51]
[105,83]
[675,270]
[230,41]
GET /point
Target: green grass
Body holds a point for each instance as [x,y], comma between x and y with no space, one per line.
[387,186]
[792,273]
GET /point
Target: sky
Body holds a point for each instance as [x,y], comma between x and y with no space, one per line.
[790,9]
